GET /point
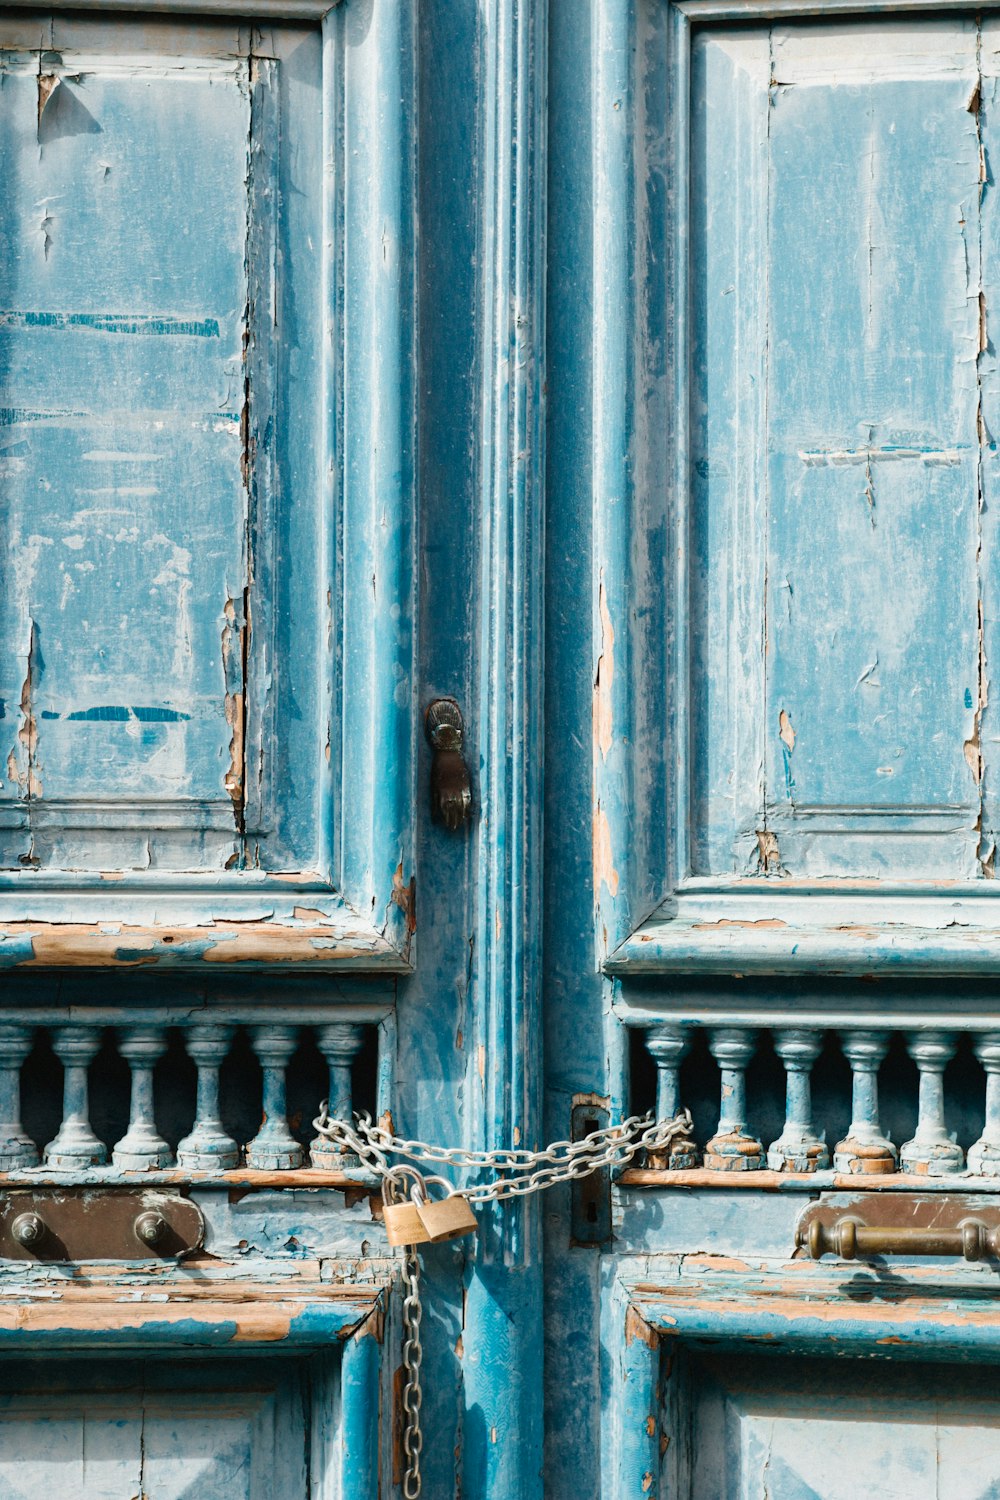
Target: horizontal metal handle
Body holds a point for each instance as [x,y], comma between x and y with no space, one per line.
[851,1240]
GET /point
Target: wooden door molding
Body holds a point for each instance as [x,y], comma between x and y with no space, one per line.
[348,1438]
[345,897]
[653,1314]
[662,906]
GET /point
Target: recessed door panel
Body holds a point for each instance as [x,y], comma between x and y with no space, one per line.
[216,1430]
[842,279]
[164,510]
[805,1429]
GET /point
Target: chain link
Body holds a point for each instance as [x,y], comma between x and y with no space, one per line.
[521,1172]
[413,1437]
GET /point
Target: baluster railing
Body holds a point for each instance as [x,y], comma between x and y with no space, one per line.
[208,1147]
[932,1152]
[799,1148]
[865,1149]
[733,1148]
[274,1148]
[17,1149]
[984,1155]
[76,1145]
[339,1043]
[142,1148]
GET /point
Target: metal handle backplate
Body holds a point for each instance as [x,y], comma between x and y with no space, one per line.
[864,1225]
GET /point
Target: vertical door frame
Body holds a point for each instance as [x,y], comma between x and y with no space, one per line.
[503,1370]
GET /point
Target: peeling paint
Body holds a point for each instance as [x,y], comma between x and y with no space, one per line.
[605,872]
[604,678]
[404,895]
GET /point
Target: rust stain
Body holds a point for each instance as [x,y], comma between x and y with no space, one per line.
[636,1327]
[604,677]
[768,852]
[47,85]
[604,864]
[236,722]
[398,1418]
[404,895]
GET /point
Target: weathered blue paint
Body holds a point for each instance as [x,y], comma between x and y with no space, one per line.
[261,715]
[653,229]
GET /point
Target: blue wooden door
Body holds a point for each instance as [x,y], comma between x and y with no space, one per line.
[622,374]
[769,864]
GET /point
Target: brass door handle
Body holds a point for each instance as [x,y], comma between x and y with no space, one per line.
[852,1240]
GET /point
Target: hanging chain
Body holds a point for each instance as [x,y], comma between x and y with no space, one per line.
[413,1437]
[522,1172]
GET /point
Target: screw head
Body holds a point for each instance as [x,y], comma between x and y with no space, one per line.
[28,1229]
[151,1228]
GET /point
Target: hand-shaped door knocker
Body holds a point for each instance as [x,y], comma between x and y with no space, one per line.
[451,789]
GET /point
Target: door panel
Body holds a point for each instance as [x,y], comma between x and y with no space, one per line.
[835,586]
[162,1432]
[144,644]
[195,705]
[770,1429]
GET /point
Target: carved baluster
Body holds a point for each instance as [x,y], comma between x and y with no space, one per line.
[984,1156]
[17,1149]
[274,1148]
[932,1152]
[142,1148]
[75,1144]
[798,1148]
[208,1148]
[667,1044]
[340,1043]
[864,1149]
[733,1148]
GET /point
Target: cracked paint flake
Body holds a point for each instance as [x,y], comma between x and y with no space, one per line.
[768,852]
[29,779]
[604,677]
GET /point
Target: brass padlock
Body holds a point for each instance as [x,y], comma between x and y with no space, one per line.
[447,1218]
[403,1224]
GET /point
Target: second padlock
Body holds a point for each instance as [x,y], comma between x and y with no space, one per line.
[448,1218]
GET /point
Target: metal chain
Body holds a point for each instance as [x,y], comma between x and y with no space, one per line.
[526,1172]
[413,1437]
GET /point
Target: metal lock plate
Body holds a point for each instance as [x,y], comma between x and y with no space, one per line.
[56,1224]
